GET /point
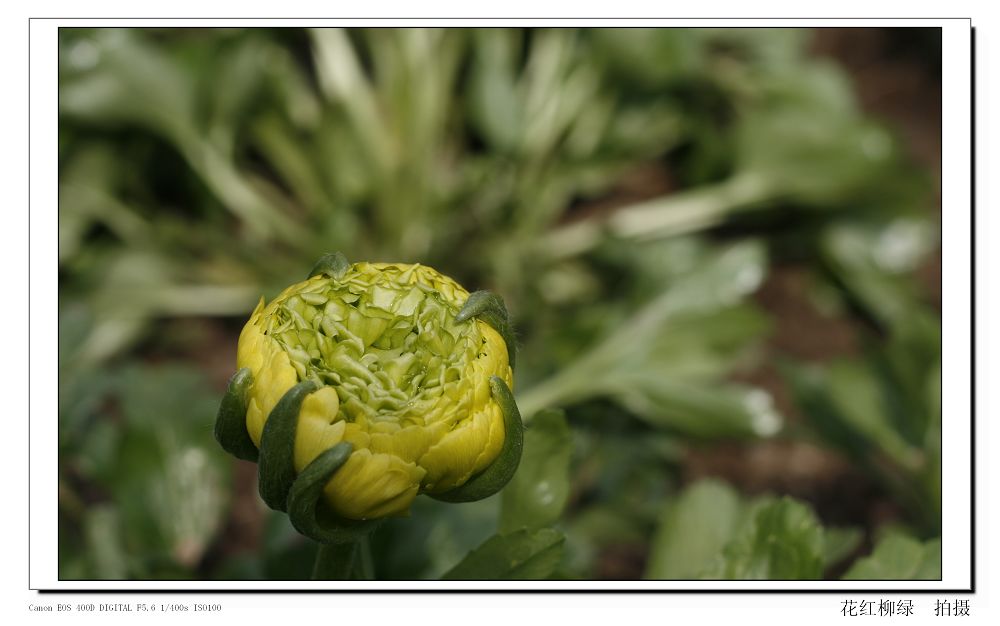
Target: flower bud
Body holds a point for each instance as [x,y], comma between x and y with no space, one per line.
[396,368]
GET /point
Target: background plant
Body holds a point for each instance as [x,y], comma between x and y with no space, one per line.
[635,196]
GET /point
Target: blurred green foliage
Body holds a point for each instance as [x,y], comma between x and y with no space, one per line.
[627,191]
[899,557]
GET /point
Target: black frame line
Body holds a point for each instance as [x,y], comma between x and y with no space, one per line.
[973,355]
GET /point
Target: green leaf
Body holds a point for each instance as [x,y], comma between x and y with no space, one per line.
[839,543]
[495,107]
[176,396]
[815,85]
[650,57]
[440,534]
[899,557]
[700,409]
[782,541]
[763,49]
[284,554]
[819,157]
[693,530]
[521,555]
[234,91]
[871,265]
[882,412]
[131,82]
[909,364]
[856,392]
[103,532]
[537,494]
[598,529]
[170,477]
[636,361]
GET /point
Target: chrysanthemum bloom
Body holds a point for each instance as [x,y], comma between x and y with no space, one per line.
[382,356]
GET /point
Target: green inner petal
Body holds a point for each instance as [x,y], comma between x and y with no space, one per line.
[391,349]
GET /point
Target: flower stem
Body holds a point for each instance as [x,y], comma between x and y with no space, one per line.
[344,561]
[335,561]
[366,563]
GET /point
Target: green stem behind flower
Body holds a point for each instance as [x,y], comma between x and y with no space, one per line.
[335,561]
[344,561]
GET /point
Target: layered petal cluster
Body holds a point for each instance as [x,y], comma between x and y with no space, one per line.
[398,378]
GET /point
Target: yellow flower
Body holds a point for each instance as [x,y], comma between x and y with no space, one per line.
[396,375]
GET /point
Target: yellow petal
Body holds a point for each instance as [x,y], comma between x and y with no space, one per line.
[495,363]
[248,353]
[373,485]
[316,430]
[275,377]
[356,435]
[453,459]
[410,443]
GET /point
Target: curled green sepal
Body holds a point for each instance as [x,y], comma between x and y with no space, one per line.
[276,471]
[304,496]
[334,265]
[231,422]
[490,308]
[500,471]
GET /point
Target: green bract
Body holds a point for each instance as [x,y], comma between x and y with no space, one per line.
[367,384]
